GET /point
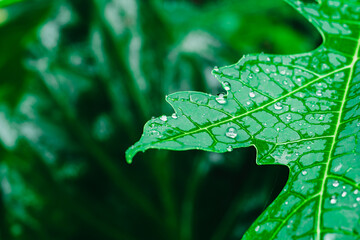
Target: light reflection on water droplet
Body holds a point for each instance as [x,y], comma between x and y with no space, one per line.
[304,172]
[252,94]
[336,183]
[278,106]
[174,116]
[227,86]
[356,191]
[231,132]
[257,228]
[221,99]
[333,200]
[229,148]
[163,118]
[343,194]
[319,93]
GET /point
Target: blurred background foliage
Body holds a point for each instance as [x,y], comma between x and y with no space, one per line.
[79,78]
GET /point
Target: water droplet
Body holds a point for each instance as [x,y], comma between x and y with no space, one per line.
[321,117]
[267,70]
[358,199]
[216,68]
[256,70]
[308,147]
[358,124]
[227,86]
[333,200]
[298,79]
[304,172]
[288,117]
[163,118]
[286,203]
[257,228]
[356,191]
[319,93]
[248,103]
[252,94]
[282,72]
[336,183]
[229,148]
[231,132]
[278,106]
[343,194]
[268,59]
[302,95]
[354,205]
[250,76]
[285,82]
[220,98]
[174,116]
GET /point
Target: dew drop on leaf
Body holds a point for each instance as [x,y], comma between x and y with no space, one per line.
[257,228]
[174,116]
[163,118]
[344,194]
[252,94]
[319,93]
[358,199]
[229,148]
[231,133]
[221,99]
[333,200]
[304,172]
[336,184]
[227,86]
[278,106]
[356,191]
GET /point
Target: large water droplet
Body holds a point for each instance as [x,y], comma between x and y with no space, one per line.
[231,133]
[278,106]
[252,94]
[221,98]
[163,118]
[227,86]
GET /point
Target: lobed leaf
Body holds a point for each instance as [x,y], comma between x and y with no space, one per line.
[302,111]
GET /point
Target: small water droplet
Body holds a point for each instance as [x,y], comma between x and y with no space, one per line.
[221,98]
[343,194]
[354,205]
[356,191]
[256,70]
[174,116]
[358,199]
[304,172]
[302,95]
[321,117]
[257,228]
[227,86]
[286,203]
[163,118]
[229,148]
[231,132]
[216,68]
[285,82]
[308,147]
[248,103]
[278,106]
[250,76]
[268,59]
[282,72]
[252,94]
[267,70]
[358,124]
[319,93]
[336,183]
[333,200]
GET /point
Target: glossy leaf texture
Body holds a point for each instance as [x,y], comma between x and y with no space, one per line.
[302,111]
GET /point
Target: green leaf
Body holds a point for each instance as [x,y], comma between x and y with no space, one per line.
[302,111]
[4,3]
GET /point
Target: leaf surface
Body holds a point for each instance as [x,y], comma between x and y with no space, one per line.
[301,111]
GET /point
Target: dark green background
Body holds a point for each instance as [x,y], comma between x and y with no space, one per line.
[78,81]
